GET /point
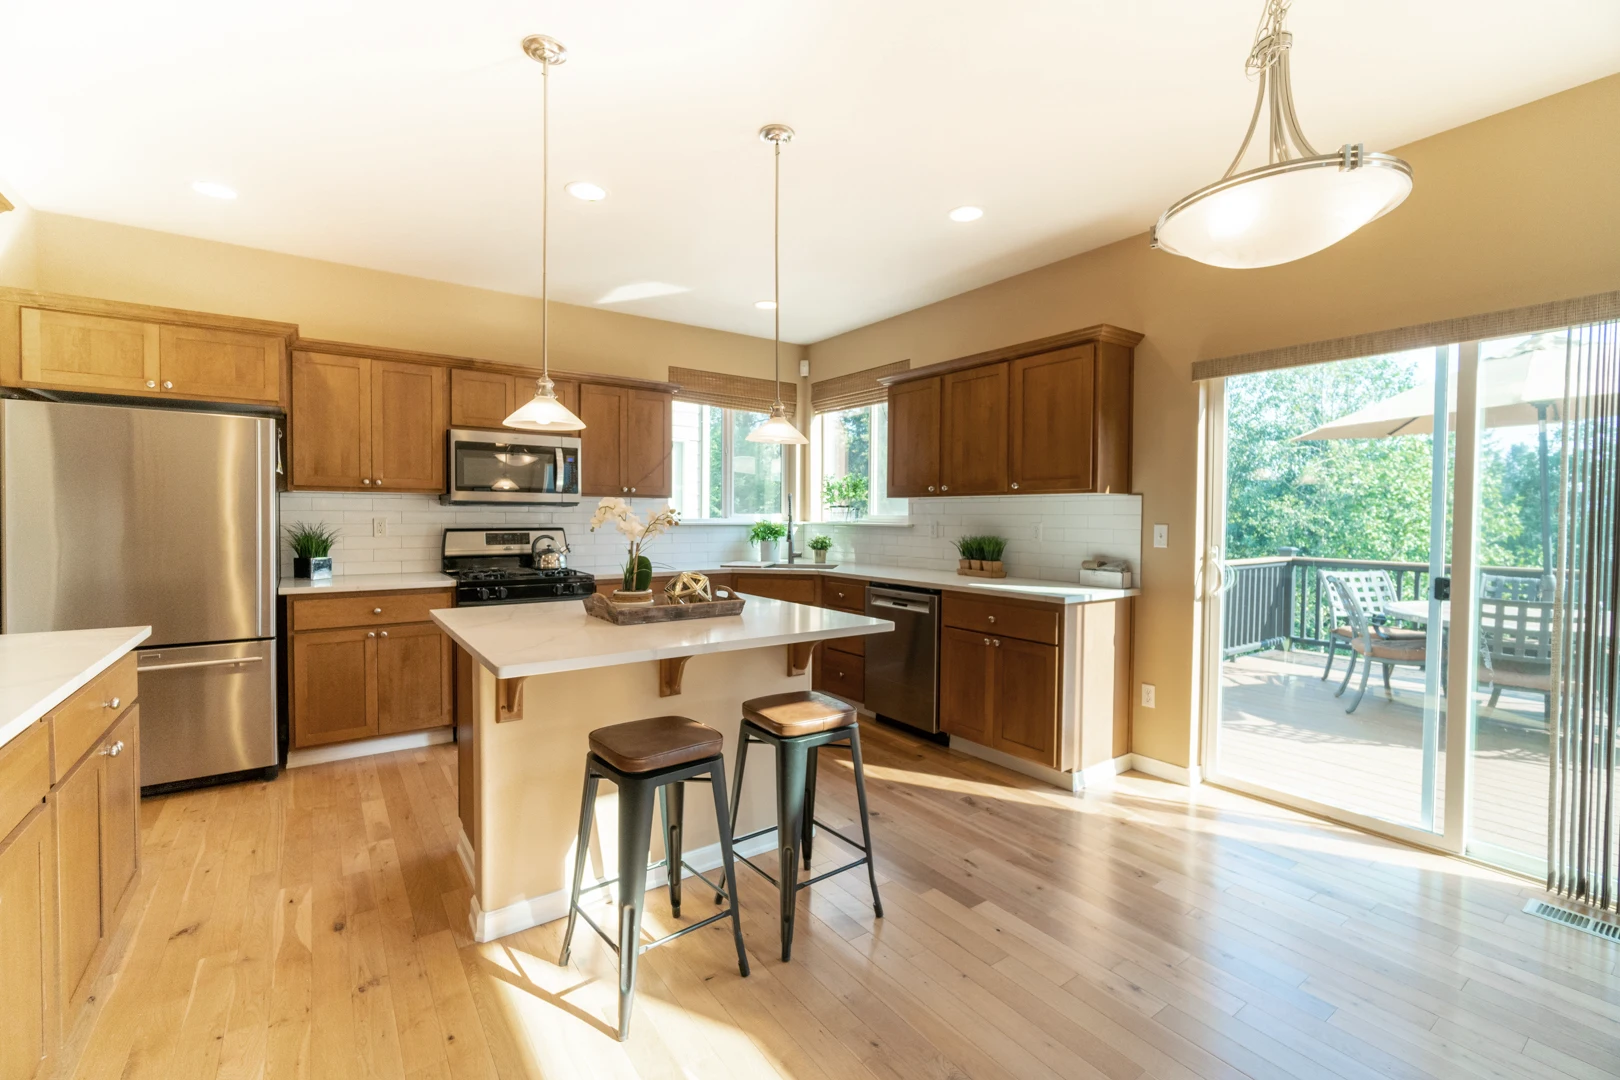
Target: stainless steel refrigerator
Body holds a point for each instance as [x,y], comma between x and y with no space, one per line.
[122,516]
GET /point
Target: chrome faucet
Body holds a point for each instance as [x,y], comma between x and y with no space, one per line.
[791,553]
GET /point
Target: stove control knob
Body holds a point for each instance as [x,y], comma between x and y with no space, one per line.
[483,593]
[500,592]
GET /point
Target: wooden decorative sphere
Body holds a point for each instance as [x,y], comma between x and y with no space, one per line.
[688,587]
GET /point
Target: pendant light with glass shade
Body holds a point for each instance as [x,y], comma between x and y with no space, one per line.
[777,428]
[1296,204]
[544,412]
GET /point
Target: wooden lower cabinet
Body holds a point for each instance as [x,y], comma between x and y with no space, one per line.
[29,1025]
[373,677]
[792,587]
[1000,692]
[78,861]
[841,673]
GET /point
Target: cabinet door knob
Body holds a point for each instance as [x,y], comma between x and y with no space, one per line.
[385,633]
[930,487]
[1015,485]
[366,481]
[623,489]
[378,611]
[987,641]
[377,482]
[114,750]
[151,384]
[992,618]
[371,633]
[944,487]
[996,642]
[113,704]
[167,385]
[632,491]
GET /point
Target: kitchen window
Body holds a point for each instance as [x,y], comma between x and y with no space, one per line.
[850,465]
[718,473]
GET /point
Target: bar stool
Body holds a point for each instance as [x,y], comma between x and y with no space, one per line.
[643,757]
[799,724]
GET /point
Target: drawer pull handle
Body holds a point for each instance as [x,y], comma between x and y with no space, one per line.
[113,704]
[114,750]
[227,662]
[376,611]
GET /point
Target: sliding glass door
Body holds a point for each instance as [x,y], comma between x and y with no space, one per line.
[1378,586]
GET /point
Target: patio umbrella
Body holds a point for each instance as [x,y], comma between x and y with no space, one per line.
[1524,388]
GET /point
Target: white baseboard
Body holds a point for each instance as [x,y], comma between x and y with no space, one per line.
[386,744]
[464,855]
[536,911]
[1188,776]
[1100,775]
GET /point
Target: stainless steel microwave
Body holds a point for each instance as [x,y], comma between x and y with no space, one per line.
[511,467]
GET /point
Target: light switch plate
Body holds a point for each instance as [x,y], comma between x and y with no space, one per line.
[1147,695]
[1161,536]
[379,526]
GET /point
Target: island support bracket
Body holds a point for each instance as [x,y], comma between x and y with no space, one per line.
[509,699]
[798,656]
[670,673]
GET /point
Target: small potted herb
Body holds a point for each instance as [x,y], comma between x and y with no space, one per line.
[847,495]
[991,549]
[766,534]
[312,548]
[967,550]
[821,545]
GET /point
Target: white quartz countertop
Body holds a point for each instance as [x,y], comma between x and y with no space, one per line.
[346,583]
[1060,592]
[516,640]
[40,671]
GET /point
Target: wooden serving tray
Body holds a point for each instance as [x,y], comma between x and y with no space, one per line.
[662,610]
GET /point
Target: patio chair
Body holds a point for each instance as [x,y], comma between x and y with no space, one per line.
[1373,643]
[1510,587]
[1515,646]
[1374,589]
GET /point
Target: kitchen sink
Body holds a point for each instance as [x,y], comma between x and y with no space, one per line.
[798,566]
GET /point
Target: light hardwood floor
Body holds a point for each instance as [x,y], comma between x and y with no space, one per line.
[314,927]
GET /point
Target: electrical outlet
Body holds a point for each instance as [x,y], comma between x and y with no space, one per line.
[1161,536]
[379,526]
[1147,695]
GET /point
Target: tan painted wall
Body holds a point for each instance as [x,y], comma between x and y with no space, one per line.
[329,300]
[1515,209]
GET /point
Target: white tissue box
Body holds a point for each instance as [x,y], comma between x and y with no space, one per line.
[1106,579]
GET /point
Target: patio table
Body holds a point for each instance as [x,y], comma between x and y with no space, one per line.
[1417,611]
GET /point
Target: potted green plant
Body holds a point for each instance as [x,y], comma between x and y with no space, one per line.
[766,534]
[637,583]
[311,544]
[991,549]
[821,545]
[845,496]
[967,550]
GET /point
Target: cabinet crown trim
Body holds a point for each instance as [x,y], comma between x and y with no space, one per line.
[382,352]
[1102,332]
[118,309]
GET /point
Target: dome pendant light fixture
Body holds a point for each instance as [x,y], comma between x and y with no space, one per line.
[778,428]
[1296,204]
[544,412]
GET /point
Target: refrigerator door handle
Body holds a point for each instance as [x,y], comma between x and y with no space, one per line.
[232,661]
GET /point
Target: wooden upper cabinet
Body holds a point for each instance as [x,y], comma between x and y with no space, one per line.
[89,352]
[331,422]
[973,431]
[1052,415]
[407,426]
[220,365]
[914,439]
[647,448]
[1053,421]
[481,399]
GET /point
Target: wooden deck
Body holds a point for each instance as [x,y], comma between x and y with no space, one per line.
[1282,727]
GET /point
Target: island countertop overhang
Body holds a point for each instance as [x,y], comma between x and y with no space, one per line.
[518,640]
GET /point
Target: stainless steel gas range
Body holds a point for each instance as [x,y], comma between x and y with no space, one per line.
[496,565]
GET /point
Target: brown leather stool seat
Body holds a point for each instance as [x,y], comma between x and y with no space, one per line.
[802,712]
[660,742]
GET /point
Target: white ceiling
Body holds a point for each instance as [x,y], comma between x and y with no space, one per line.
[403,135]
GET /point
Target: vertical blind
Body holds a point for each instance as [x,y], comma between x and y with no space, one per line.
[1582,838]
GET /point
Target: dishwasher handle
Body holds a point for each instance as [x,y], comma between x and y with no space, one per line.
[921,603]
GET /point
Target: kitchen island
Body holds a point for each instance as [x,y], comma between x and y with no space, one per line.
[534,680]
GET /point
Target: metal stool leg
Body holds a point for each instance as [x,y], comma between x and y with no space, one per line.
[790,780]
[672,802]
[718,783]
[810,801]
[866,825]
[728,821]
[635,836]
[587,811]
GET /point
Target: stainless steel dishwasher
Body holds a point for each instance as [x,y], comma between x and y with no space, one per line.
[902,668]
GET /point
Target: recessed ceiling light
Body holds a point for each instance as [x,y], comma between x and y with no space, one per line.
[213,190]
[765,305]
[966,213]
[586,191]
